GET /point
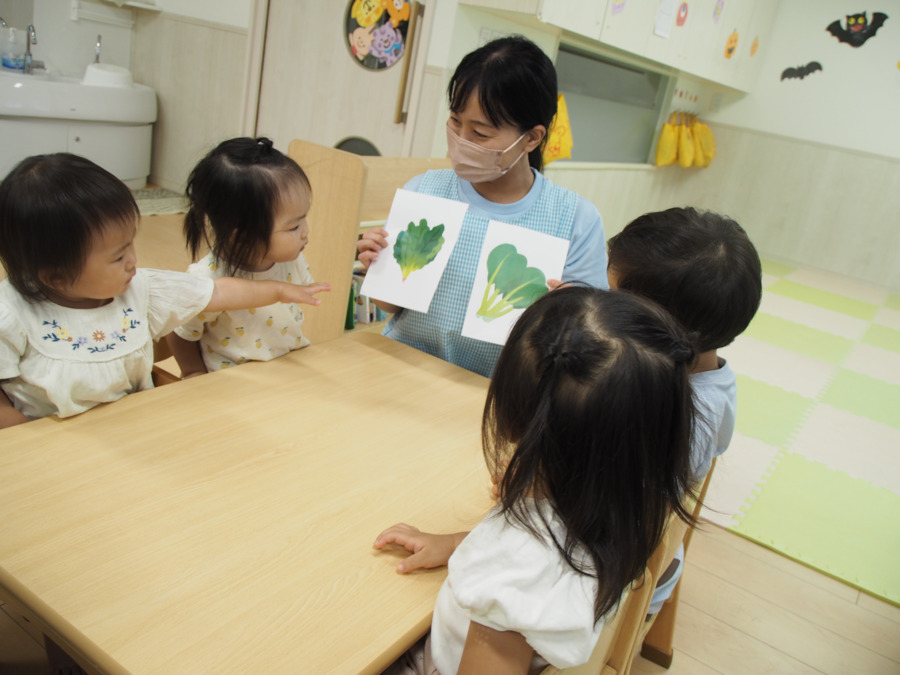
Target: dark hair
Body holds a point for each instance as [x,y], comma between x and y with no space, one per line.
[700,266]
[235,192]
[51,208]
[591,395]
[516,85]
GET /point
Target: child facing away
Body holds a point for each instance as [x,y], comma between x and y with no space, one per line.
[77,316]
[502,98]
[248,204]
[590,413]
[704,270]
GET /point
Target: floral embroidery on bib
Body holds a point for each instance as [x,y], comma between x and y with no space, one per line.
[59,333]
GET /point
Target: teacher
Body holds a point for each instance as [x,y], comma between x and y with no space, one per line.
[502,97]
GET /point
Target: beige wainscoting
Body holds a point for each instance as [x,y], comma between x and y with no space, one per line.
[198,71]
[800,202]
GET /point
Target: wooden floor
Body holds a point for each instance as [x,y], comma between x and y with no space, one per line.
[744,609]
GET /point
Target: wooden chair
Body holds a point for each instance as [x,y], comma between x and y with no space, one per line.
[347,190]
[336,178]
[621,636]
[615,648]
[163,374]
[657,640]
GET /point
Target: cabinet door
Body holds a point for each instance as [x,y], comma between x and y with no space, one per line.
[124,151]
[21,138]
[584,17]
[698,46]
[314,89]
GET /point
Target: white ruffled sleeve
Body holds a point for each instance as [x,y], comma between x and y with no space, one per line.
[506,579]
[13,341]
[175,298]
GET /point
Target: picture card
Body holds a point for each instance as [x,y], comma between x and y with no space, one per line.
[512,273]
[422,231]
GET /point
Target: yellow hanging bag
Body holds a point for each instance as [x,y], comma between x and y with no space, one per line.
[699,155]
[707,142]
[685,145]
[559,136]
[667,145]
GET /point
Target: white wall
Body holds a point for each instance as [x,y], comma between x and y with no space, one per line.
[853,102]
[66,40]
[16,13]
[67,29]
[229,12]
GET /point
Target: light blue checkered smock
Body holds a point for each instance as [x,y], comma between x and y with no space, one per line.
[547,208]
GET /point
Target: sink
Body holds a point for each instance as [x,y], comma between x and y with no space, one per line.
[106,117]
[107,75]
[47,95]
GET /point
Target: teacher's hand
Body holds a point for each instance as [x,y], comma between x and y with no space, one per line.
[370,245]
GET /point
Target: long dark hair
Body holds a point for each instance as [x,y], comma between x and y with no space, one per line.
[51,208]
[515,83]
[701,266]
[235,193]
[591,406]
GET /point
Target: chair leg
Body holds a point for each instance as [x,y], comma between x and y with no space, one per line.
[657,646]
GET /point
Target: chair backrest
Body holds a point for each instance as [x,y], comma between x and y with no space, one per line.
[658,635]
[163,374]
[347,189]
[616,645]
[336,178]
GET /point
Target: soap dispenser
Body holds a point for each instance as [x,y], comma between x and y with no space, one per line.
[13,50]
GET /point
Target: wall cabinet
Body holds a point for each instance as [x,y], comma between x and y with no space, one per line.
[716,40]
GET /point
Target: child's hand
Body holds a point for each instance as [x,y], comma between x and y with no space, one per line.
[370,244]
[303,294]
[428,550]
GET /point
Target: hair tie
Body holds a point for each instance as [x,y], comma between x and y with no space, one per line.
[265,142]
[566,359]
[683,352]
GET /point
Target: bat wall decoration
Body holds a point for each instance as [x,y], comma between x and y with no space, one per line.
[800,72]
[858,29]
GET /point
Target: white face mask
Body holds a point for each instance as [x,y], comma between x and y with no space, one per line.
[476,164]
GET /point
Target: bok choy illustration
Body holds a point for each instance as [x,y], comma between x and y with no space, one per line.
[417,246]
[514,284]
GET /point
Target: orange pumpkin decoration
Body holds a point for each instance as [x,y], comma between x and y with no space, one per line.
[731,45]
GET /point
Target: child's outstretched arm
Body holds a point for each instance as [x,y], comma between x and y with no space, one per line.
[187,355]
[235,293]
[9,416]
[494,652]
[428,550]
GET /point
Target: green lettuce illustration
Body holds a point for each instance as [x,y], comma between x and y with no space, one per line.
[515,285]
[417,246]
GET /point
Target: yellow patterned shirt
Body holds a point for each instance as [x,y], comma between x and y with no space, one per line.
[233,337]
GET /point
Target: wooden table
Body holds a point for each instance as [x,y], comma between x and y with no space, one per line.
[225,523]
